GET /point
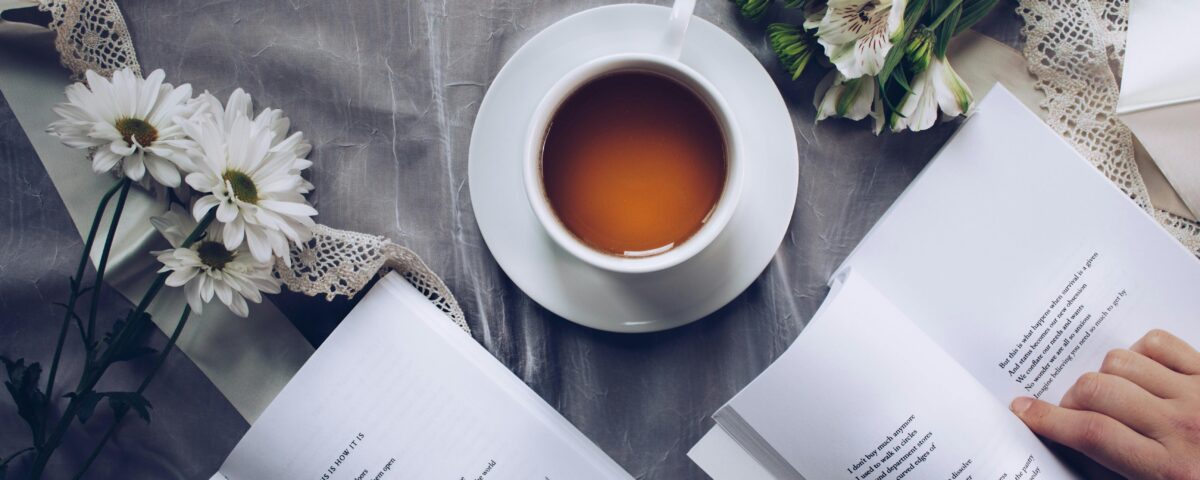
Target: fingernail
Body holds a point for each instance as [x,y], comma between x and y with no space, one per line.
[1020,405]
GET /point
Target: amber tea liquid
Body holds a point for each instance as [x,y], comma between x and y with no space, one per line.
[633,163]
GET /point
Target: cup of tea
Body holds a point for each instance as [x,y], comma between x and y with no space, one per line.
[633,161]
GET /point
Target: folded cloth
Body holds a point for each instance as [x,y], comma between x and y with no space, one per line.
[1160,98]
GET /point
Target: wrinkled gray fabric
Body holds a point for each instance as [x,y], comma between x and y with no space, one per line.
[387,91]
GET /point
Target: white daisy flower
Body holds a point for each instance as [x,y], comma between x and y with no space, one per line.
[938,86]
[857,34]
[131,123]
[272,119]
[207,269]
[251,175]
[240,103]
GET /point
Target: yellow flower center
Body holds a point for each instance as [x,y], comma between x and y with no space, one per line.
[243,186]
[214,254]
[136,128]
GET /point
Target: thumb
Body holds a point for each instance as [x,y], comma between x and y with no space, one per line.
[1103,439]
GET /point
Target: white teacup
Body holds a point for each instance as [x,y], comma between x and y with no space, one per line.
[665,64]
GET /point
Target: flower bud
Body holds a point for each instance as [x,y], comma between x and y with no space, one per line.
[792,45]
[920,49]
[752,9]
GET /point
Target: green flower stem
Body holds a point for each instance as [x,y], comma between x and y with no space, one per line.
[92,372]
[125,335]
[120,414]
[76,283]
[16,454]
[945,13]
[103,264]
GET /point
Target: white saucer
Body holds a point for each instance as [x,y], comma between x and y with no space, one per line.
[597,298]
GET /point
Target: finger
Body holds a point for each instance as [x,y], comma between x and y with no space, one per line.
[1160,381]
[1082,464]
[1119,399]
[1170,351]
[1105,440]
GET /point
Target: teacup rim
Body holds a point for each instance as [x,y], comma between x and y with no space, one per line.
[566,86]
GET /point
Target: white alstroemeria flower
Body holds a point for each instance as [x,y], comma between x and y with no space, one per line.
[814,11]
[854,98]
[936,87]
[251,175]
[132,123]
[207,269]
[838,96]
[857,34]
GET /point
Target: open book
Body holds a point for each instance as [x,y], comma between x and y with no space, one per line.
[1009,267]
[398,392]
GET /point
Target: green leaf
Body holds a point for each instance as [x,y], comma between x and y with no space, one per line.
[973,12]
[752,9]
[888,104]
[794,3]
[120,351]
[900,80]
[22,385]
[911,14]
[87,404]
[132,353]
[936,7]
[793,45]
[946,31]
[121,402]
[111,335]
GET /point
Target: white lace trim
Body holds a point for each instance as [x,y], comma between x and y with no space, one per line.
[1075,50]
[91,34]
[339,262]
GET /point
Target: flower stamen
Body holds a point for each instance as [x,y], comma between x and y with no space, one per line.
[136,129]
[242,185]
[864,12]
[214,254]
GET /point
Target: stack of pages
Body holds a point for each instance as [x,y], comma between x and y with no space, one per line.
[1008,268]
[397,391]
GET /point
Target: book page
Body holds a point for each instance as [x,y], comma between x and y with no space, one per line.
[719,455]
[398,392]
[864,395]
[1025,263]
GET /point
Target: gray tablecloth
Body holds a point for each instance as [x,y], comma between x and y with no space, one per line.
[387,91]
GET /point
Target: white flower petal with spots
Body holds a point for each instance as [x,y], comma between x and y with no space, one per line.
[857,34]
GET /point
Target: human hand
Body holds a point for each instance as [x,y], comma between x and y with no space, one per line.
[1139,417]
